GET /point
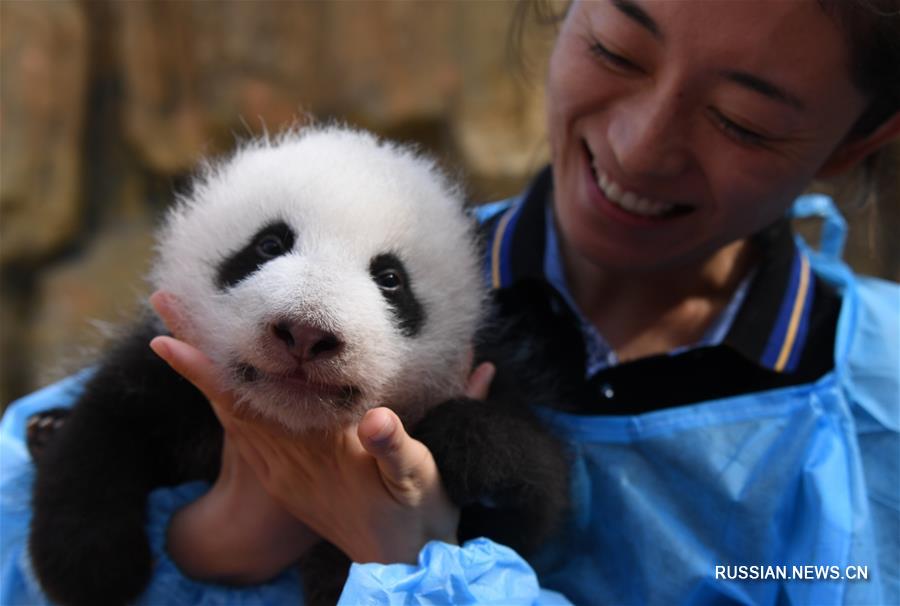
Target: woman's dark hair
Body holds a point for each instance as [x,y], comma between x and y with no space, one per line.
[872,30]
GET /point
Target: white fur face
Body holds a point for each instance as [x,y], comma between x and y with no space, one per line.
[326,273]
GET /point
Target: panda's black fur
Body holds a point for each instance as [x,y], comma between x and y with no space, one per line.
[138,425]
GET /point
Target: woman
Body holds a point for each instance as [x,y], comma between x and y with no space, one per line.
[739,393]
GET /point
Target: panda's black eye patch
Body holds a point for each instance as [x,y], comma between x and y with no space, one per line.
[390,276]
[271,241]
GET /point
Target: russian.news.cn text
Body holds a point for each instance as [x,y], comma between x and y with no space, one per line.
[810,572]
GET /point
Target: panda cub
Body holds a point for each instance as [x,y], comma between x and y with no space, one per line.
[325,273]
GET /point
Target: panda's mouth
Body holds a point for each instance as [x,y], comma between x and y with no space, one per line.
[301,382]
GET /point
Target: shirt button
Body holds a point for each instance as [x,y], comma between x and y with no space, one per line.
[606,391]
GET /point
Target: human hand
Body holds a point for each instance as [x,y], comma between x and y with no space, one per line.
[235,533]
[371,490]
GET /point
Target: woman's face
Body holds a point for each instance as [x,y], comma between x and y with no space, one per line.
[677,127]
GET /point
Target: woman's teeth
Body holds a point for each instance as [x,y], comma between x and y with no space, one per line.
[630,201]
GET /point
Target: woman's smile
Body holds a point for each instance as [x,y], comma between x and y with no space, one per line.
[611,192]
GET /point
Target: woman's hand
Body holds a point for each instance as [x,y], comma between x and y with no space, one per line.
[371,490]
[235,533]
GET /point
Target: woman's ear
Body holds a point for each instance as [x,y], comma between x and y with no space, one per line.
[854,150]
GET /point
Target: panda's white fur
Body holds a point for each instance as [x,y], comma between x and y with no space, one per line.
[348,197]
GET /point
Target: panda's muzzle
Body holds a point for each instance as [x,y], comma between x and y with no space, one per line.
[298,358]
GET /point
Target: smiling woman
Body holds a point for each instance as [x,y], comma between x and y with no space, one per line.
[675,136]
[730,393]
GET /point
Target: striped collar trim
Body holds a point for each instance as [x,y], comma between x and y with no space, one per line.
[499,259]
[780,296]
[772,325]
[516,236]
[782,351]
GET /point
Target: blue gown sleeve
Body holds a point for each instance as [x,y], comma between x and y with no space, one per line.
[479,572]
[170,586]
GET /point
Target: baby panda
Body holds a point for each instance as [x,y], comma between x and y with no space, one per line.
[324,272]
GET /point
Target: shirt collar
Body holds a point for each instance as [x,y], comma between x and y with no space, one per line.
[770,312]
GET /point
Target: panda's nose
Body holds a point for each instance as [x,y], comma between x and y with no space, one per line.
[306,343]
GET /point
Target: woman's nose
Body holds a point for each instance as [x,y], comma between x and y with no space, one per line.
[650,140]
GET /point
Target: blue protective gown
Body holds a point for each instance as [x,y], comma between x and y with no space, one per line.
[755,484]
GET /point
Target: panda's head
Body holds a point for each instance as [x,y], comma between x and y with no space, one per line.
[326,273]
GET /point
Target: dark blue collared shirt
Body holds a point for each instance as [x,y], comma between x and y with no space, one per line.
[777,330]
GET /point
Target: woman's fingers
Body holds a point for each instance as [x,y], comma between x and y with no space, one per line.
[186,360]
[479,383]
[166,307]
[193,365]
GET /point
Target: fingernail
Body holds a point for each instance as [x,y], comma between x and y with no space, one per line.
[384,432]
[160,348]
[159,300]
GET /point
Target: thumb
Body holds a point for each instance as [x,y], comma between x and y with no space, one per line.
[404,463]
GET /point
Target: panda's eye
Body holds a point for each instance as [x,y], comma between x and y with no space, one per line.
[397,286]
[270,241]
[389,279]
[270,246]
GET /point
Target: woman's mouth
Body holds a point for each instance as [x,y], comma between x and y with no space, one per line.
[630,202]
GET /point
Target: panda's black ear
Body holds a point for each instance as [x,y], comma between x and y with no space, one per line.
[390,275]
[273,240]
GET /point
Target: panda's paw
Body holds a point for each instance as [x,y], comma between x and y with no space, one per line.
[41,427]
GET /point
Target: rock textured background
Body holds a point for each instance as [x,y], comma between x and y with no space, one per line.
[106,107]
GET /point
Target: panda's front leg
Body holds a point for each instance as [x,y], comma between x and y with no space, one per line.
[507,473]
[87,541]
[136,426]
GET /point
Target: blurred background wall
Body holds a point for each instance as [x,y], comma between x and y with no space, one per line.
[107,105]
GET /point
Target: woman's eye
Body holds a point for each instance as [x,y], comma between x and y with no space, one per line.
[270,246]
[613,59]
[742,135]
[388,279]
